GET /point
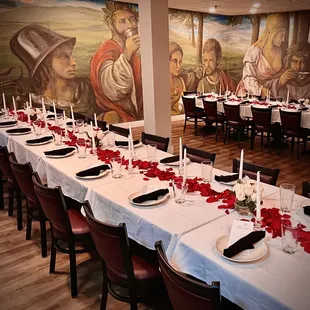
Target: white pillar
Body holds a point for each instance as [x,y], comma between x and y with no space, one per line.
[154,36]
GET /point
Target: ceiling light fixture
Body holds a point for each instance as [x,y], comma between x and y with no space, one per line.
[256,5]
[212,9]
[253,10]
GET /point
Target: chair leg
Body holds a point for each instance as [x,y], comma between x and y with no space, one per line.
[298,144]
[226,133]
[196,126]
[268,141]
[262,140]
[43,235]
[1,192]
[184,125]
[133,299]
[11,204]
[253,134]
[28,227]
[292,144]
[19,210]
[73,274]
[104,297]
[216,128]
[238,133]
[53,253]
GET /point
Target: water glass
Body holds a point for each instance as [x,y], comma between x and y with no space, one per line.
[151,152]
[5,113]
[290,231]
[59,119]
[287,192]
[57,137]
[80,125]
[179,191]
[116,165]
[206,170]
[37,128]
[110,139]
[81,149]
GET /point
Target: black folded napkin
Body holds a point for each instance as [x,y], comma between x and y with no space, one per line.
[307,210]
[245,243]
[93,171]
[151,196]
[125,143]
[227,178]
[303,109]
[221,99]
[202,96]
[70,123]
[170,159]
[18,130]
[244,102]
[8,123]
[51,116]
[60,152]
[40,140]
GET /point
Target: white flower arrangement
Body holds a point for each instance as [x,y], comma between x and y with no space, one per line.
[245,192]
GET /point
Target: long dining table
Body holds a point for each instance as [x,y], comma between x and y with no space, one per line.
[188,230]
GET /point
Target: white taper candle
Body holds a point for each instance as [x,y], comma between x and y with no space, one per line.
[95,118]
[241,165]
[30,101]
[130,155]
[55,114]
[3,100]
[65,122]
[180,154]
[14,105]
[185,172]
[258,213]
[92,136]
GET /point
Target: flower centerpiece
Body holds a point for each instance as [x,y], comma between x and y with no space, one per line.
[98,136]
[245,192]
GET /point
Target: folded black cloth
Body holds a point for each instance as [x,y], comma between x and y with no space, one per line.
[51,116]
[245,243]
[151,196]
[226,178]
[170,159]
[202,96]
[93,171]
[303,109]
[18,130]
[8,123]
[125,143]
[307,210]
[40,140]
[60,152]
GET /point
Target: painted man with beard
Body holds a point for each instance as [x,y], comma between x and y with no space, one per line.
[116,66]
[213,76]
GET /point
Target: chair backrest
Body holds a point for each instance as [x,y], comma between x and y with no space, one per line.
[161,142]
[290,120]
[189,105]
[261,116]
[187,292]
[306,189]
[112,243]
[5,166]
[58,110]
[79,116]
[188,93]
[23,174]
[267,175]
[232,112]
[101,124]
[210,108]
[53,204]
[197,156]
[119,130]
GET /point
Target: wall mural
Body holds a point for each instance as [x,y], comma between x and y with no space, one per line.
[87,54]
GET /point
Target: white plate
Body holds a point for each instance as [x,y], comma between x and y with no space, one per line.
[91,177]
[246,256]
[19,133]
[289,110]
[147,203]
[135,145]
[176,163]
[41,143]
[6,126]
[60,156]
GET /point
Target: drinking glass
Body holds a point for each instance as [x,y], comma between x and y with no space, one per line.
[206,170]
[5,113]
[59,119]
[80,125]
[57,137]
[287,192]
[37,128]
[81,149]
[179,191]
[290,231]
[110,139]
[151,152]
[116,165]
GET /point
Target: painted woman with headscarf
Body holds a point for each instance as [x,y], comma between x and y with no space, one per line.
[264,59]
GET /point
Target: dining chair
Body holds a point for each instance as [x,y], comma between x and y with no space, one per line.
[306,189]
[119,130]
[187,292]
[119,265]
[13,188]
[212,115]
[58,110]
[161,142]
[23,174]
[261,124]
[267,175]
[78,116]
[189,93]
[101,124]
[3,180]
[67,224]
[197,156]
[233,120]
[290,122]
[192,113]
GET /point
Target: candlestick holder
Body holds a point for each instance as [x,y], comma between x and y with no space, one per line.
[258,224]
[181,171]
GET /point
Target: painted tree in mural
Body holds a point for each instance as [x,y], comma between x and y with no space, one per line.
[199,38]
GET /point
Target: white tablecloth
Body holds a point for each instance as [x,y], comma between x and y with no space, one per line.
[277,281]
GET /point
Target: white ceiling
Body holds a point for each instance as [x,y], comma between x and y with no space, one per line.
[235,7]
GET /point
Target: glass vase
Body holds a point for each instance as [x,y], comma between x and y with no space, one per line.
[243,208]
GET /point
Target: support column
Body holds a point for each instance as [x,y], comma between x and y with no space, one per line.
[154,36]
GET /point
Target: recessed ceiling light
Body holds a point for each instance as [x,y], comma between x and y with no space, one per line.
[212,9]
[253,10]
[256,5]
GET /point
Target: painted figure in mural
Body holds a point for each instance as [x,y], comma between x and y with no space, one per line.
[52,69]
[263,60]
[213,76]
[177,86]
[116,66]
[296,77]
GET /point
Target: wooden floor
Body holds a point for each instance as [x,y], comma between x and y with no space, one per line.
[24,279]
